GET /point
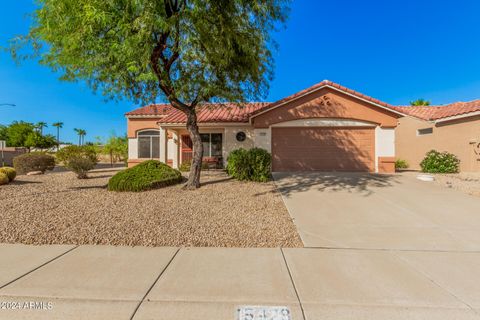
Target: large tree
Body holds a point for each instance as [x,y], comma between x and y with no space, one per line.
[187,52]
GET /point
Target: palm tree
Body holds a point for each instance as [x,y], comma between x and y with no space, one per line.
[58,125]
[78,131]
[40,126]
[420,102]
[82,134]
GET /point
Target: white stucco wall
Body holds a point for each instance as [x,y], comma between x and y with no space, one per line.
[230,140]
[263,139]
[132,148]
[171,149]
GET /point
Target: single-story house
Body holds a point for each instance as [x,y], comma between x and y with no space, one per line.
[326,127]
[453,127]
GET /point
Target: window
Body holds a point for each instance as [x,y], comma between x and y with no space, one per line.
[422,132]
[149,144]
[212,144]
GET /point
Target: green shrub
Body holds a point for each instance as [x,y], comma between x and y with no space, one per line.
[33,161]
[81,166]
[71,152]
[185,166]
[401,164]
[79,159]
[252,165]
[3,178]
[440,162]
[237,164]
[147,175]
[10,172]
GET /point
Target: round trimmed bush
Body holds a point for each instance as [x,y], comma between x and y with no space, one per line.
[440,162]
[151,174]
[10,172]
[3,178]
[252,165]
[33,161]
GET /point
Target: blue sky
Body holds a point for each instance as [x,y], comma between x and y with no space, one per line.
[395,51]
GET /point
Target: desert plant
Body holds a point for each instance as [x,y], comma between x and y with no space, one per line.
[81,166]
[252,165]
[34,161]
[79,159]
[440,162]
[116,148]
[151,174]
[3,178]
[401,164]
[10,172]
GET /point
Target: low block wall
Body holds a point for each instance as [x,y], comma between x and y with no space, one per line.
[10,153]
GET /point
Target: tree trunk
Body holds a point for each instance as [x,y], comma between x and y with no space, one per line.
[193,181]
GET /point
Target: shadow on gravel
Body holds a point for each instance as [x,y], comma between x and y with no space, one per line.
[88,187]
[22,182]
[90,177]
[215,181]
[288,183]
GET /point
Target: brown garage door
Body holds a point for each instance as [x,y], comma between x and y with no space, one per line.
[323,149]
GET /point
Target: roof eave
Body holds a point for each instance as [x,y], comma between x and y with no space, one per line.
[326,85]
[460,116]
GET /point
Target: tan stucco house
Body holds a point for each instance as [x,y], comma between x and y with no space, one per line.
[326,127]
[453,127]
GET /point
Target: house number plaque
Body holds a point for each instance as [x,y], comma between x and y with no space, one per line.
[263,313]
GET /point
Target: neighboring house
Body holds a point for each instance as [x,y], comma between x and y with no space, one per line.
[8,153]
[326,127]
[454,128]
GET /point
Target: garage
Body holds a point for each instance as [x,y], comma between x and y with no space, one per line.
[328,127]
[323,149]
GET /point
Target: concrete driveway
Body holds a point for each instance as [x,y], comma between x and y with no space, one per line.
[366,211]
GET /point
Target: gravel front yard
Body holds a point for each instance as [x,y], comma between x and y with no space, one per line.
[57,208]
[467,182]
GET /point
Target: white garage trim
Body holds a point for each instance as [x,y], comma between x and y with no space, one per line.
[384,143]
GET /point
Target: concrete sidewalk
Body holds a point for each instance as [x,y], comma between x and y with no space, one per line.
[105,282]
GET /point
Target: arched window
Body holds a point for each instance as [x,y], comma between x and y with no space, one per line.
[148,144]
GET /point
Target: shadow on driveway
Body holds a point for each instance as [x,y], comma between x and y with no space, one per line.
[293,182]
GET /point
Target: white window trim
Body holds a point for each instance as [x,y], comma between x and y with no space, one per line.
[210,141]
[151,142]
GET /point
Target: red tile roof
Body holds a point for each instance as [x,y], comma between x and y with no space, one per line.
[218,112]
[209,112]
[440,112]
[231,112]
[151,110]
